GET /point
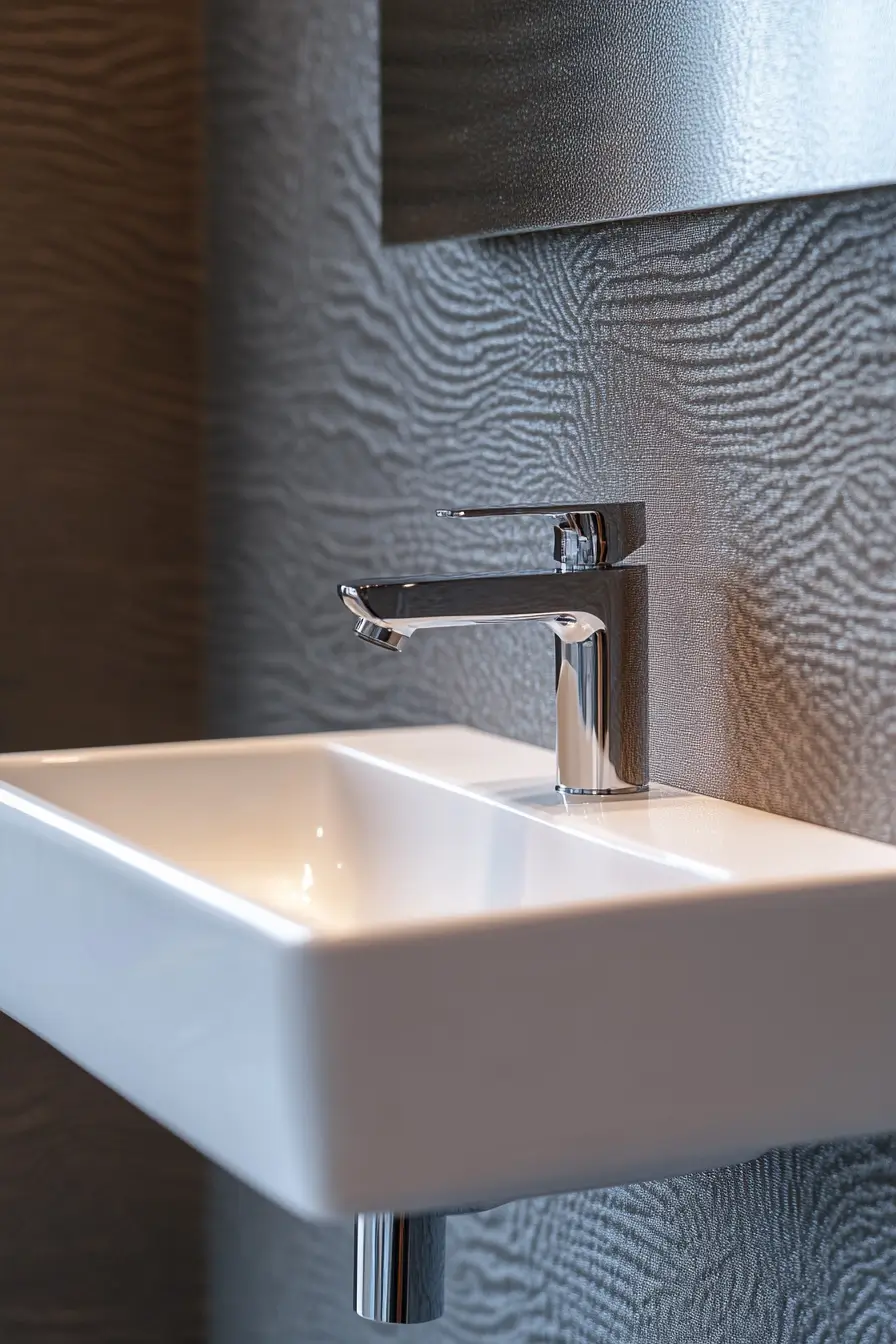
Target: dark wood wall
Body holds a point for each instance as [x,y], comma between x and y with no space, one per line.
[99,587]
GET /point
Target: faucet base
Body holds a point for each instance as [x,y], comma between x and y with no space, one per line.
[600,793]
[601,693]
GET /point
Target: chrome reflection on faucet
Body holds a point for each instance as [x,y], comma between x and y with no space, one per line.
[597,609]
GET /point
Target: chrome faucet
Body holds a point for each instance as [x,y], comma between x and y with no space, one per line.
[597,609]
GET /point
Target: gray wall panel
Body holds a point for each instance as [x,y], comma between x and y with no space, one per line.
[737,370]
[515,114]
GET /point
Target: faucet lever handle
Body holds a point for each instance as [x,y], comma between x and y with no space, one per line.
[585,535]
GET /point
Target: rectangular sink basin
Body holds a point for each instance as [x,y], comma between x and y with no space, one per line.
[396,970]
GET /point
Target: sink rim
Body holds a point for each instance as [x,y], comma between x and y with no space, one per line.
[586,821]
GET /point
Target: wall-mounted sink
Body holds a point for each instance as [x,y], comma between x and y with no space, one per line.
[397,970]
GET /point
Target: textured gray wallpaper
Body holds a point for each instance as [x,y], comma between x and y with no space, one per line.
[737,370]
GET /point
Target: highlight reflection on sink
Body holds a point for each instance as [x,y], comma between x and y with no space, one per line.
[395,969]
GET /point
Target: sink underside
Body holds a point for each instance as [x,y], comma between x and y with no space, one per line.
[396,970]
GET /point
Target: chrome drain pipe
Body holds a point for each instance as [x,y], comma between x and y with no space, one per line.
[400,1267]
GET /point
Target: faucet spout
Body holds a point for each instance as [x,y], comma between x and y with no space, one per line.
[599,618]
[380,636]
[573,603]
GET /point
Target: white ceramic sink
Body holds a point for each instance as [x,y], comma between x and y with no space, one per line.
[395,970]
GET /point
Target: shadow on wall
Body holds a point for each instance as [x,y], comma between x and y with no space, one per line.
[100,1210]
